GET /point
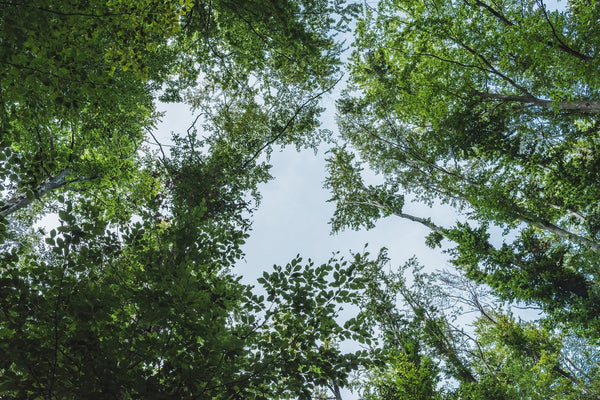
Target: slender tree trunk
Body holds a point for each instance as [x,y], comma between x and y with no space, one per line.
[19,201]
[337,395]
[558,231]
[586,106]
[423,221]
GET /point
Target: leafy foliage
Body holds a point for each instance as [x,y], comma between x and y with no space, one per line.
[154,311]
[132,296]
[490,108]
[423,352]
[80,80]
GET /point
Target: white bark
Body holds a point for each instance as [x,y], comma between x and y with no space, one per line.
[19,200]
[584,106]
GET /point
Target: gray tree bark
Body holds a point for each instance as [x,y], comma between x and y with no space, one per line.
[19,200]
[583,106]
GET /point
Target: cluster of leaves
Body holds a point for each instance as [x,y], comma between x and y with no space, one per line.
[77,93]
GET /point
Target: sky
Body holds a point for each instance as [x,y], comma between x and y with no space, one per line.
[293,217]
[294,213]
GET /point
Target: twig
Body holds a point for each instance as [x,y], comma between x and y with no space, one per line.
[164,156]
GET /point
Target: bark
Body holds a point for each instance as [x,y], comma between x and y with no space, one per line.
[423,221]
[558,231]
[19,201]
[335,389]
[585,106]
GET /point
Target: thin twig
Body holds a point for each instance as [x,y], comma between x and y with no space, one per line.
[164,156]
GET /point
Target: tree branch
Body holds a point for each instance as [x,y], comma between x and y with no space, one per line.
[561,45]
[289,122]
[163,160]
[583,106]
[494,12]
[20,201]
[492,68]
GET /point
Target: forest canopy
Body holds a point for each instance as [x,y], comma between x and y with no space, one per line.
[487,107]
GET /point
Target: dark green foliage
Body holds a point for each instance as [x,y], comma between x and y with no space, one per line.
[132,296]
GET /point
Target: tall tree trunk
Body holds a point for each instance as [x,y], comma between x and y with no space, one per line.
[19,201]
[585,106]
[558,231]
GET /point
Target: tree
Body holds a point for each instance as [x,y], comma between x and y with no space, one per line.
[132,296]
[80,80]
[423,353]
[402,367]
[77,92]
[489,108]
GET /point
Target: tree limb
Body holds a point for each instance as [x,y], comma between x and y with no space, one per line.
[22,200]
[289,122]
[584,106]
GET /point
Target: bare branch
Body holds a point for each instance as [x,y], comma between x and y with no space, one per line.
[164,156]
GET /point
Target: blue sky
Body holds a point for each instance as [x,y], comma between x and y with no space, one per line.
[294,213]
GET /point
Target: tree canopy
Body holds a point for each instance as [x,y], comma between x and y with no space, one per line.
[488,107]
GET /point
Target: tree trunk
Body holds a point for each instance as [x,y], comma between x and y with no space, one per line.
[19,201]
[586,106]
[558,231]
